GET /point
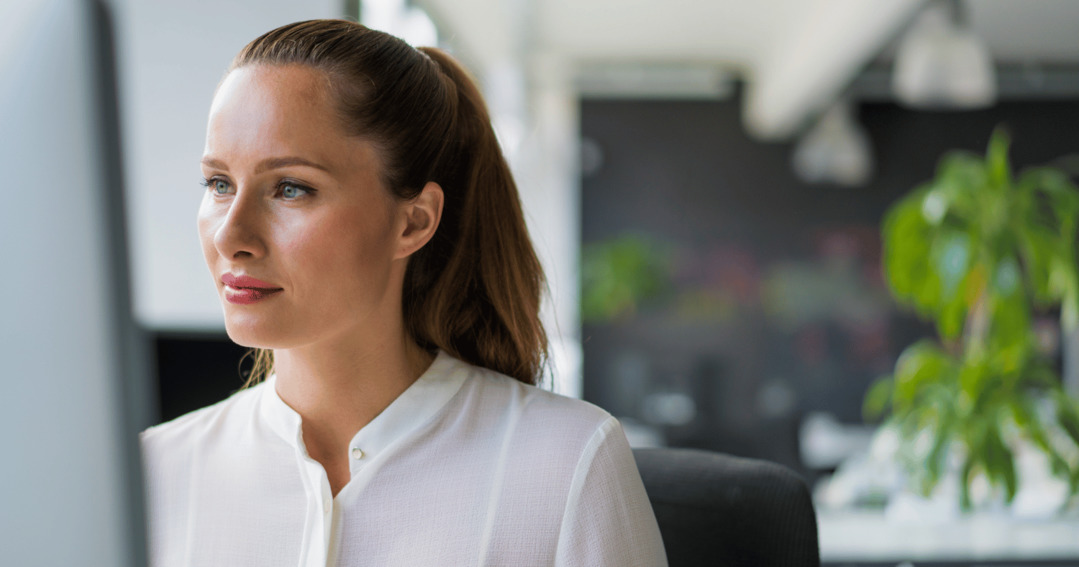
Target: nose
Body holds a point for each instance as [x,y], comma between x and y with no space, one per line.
[238,230]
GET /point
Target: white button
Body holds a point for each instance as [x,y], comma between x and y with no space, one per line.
[326,504]
[357,453]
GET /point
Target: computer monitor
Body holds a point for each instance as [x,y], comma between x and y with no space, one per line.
[74,386]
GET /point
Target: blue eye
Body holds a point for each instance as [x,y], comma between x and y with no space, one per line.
[289,191]
[217,185]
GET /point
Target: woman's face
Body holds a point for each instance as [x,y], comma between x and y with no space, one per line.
[300,235]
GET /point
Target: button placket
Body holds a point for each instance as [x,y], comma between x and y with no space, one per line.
[358,453]
[320,507]
[327,497]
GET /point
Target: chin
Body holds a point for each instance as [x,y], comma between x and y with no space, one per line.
[254,334]
[245,339]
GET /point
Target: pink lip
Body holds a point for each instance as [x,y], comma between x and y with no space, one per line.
[244,290]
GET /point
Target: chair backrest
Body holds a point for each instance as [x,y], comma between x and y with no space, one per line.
[716,509]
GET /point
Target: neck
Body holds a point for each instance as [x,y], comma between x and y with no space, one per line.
[339,388]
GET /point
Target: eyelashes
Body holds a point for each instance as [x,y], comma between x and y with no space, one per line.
[216,184]
[290,190]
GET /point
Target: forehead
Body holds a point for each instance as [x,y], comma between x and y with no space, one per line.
[262,110]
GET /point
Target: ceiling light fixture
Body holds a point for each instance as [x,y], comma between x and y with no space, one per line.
[836,150]
[940,64]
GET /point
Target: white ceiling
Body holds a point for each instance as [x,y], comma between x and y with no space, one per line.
[795,56]
[1021,31]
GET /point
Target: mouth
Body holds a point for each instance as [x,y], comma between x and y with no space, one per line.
[244,290]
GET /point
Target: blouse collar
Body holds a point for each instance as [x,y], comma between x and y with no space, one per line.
[414,407]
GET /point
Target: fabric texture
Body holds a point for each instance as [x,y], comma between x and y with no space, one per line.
[466,467]
[716,509]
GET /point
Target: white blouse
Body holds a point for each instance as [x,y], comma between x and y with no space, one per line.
[466,467]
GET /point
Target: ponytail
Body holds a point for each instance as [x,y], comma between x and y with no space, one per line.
[484,305]
[474,289]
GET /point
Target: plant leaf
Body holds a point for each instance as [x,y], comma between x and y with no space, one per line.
[965,474]
[999,461]
[906,241]
[996,158]
[1067,415]
[920,364]
[878,398]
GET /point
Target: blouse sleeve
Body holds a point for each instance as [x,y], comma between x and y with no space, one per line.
[608,520]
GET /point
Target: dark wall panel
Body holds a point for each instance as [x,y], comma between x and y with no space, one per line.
[776,305]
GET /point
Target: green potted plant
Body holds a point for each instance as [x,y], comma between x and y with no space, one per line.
[619,275]
[980,252]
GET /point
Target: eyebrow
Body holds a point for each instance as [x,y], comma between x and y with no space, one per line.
[268,163]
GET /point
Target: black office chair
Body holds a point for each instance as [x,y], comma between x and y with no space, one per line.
[715,509]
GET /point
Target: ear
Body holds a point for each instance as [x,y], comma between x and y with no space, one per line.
[419,219]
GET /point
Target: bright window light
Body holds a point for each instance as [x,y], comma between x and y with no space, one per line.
[397,17]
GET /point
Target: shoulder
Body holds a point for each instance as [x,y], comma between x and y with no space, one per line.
[538,428]
[533,407]
[593,506]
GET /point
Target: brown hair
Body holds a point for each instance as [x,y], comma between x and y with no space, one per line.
[474,289]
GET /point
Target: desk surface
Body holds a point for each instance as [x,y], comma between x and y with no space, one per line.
[847,536]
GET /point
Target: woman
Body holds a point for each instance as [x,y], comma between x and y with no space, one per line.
[365,233]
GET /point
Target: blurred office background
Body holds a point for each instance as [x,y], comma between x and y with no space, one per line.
[704,181]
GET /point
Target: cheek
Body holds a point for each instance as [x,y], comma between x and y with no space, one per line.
[207,228]
[347,249]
